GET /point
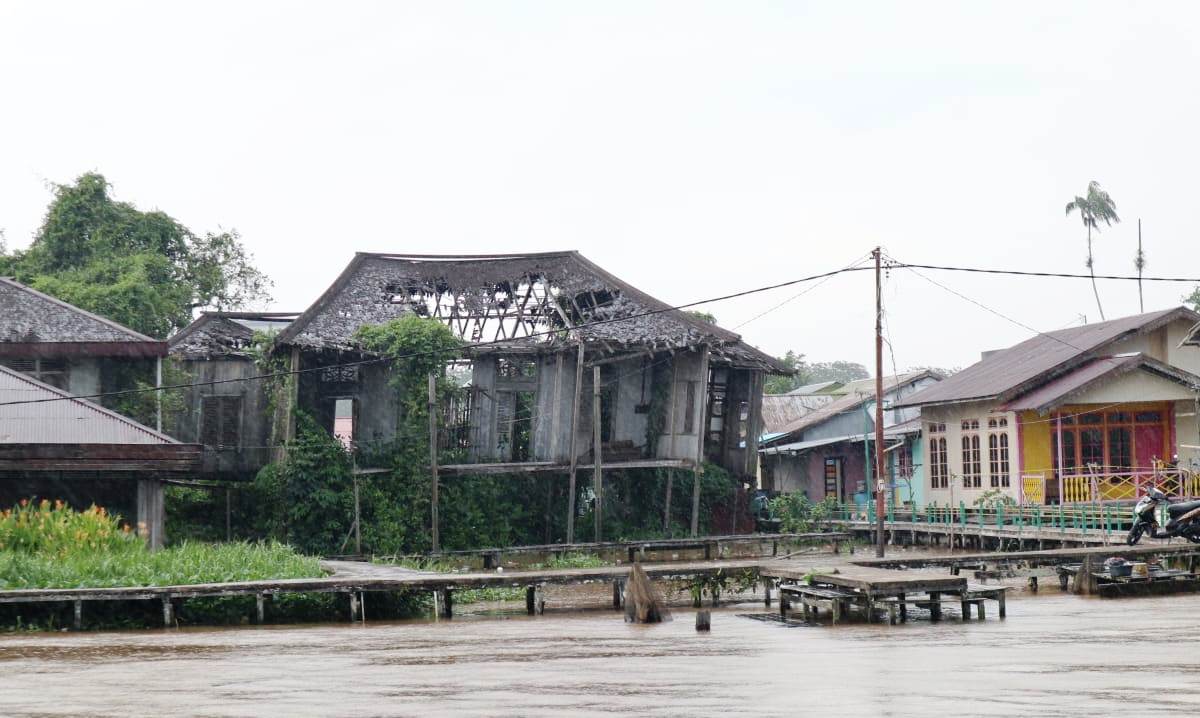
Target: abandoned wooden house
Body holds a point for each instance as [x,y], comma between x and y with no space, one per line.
[565,367]
[226,413]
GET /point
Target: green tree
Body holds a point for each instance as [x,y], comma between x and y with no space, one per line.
[1093,209]
[708,317]
[843,371]
[783,384]
[142,269]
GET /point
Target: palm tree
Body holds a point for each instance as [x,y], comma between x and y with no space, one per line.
[1095,208]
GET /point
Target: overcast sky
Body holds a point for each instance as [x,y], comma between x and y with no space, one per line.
[693,149]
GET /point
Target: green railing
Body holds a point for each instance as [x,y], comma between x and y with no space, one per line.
[1102,517]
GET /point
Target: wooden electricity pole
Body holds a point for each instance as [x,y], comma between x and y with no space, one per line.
[879,481]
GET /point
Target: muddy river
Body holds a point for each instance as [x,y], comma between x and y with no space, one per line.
[1055,655]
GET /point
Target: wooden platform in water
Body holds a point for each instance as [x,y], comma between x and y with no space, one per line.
[378,578]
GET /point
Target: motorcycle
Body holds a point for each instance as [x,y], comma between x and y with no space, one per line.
[1183,518]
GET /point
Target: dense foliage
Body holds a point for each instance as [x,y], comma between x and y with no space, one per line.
[142,269]
[50,545]
[798,514]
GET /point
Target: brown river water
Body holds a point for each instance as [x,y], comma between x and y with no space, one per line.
[1055,655]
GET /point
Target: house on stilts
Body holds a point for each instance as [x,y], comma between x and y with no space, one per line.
[565,369]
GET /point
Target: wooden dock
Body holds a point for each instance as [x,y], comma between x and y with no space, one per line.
[986,535]
[870,589]
[360,581]
[1032,559]
[714,547]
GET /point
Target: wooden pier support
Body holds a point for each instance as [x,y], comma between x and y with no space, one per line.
[77,623]
[353,606]
[703,621]
[259,609]
[616,595]
[530,600]
[446,599]
[168,611]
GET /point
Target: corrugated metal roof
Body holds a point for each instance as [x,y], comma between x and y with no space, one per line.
[779,410]
[820,387]
[27,315]
[1009,369]
[1061,389]
[69,421]
[858,392]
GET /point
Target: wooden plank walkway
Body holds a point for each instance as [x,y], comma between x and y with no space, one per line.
[378,578]
[637,550]
[961,535]
[1048,557]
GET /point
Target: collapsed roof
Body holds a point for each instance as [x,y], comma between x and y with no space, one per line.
[33,324]
[513,301]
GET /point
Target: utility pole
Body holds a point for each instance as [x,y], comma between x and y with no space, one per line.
[879,482]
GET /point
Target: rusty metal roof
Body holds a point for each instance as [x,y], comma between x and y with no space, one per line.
[64,421]
[1007,373]
[780,410]
[856,394]
[37,324]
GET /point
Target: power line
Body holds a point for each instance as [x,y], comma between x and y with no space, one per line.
[986,308]
[465,347]
[1061,275]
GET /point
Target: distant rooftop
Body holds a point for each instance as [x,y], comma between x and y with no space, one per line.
[36,324]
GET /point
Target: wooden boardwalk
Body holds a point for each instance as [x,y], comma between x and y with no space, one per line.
[980,536]
[1046,557]
[714,546]
[358,580]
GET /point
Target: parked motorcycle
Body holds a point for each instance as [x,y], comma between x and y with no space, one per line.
[1183,518]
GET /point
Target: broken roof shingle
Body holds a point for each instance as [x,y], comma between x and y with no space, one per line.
[524,297]
[217,334]
[1008,372]
[35,323]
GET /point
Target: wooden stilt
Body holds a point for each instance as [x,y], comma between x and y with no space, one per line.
[259,609]
[574,458]
[78,622]
[433,463]
[353,606]
[168,611]
[530,600]
[597,472]
[935,606]
[1000,600]
[700,431]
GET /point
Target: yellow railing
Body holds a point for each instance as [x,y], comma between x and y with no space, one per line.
[1033,489]
[1101,485]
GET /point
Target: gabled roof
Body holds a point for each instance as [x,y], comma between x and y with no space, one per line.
[533,293]
[1008,372]
[215,334]
[1064,388]
[63,420]
[37,324]
[857,394]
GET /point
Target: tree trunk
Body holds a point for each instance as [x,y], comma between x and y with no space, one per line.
[1092,272]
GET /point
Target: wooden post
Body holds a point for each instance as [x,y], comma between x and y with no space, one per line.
[597,472]
[670,450]
[574,458]
[168,611]
[158,394]
[358,513]
[700,431]
[353,606]
[616,595]
[1000,595]
[703,620]
[78,622]
[530,600]
[447,603]
[935,606]
[150,512]
[260,611]
[433,463]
